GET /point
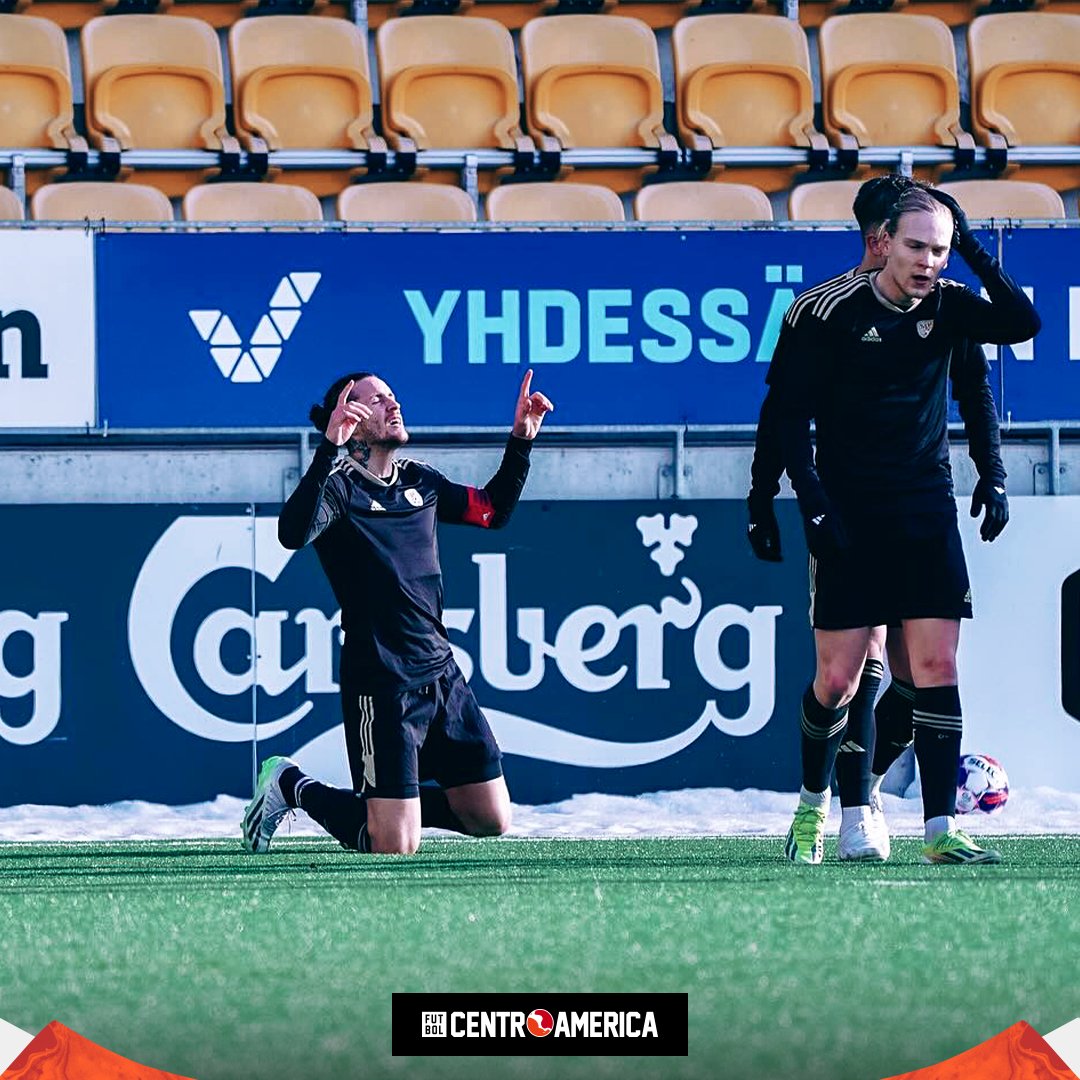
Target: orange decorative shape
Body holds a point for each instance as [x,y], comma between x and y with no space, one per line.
[58,1053]
[1017,1053]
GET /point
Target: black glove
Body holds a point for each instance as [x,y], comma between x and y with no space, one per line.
[990,497]
[825,534]
[762,530]
[965,242]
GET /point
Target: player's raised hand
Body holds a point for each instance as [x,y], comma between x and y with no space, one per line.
[346,417]
[532,407]
[964,238]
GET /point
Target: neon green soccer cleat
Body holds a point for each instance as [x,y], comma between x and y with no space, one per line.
[957,847]
[805,841]
[267,807]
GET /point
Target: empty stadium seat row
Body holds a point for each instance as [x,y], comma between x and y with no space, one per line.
[416,202]
[72,14]
[303,83]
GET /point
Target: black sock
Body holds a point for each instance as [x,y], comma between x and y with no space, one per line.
[893,720]
[342,813]
[822,730]
[435,811]
[938,727]
[857,750]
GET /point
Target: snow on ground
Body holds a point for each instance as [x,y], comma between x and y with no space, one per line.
[695,812]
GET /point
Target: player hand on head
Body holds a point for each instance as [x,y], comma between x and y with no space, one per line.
[991,498]
[346,417]
[762,530]
[532,407]
[964,240]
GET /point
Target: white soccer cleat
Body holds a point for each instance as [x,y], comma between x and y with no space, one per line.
[267,807]
[878,826]
[859,844]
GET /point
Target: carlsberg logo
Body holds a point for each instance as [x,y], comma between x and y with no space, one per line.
[570,648]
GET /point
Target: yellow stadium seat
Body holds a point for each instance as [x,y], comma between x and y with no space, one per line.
[890,80]
[302,83]
[405,202]
[155,83]
[554,202]
[1006,199]
[35,88]
[1025,86]
[693,200]
[11,208]
[744,80]
[826,200]
[244,201]
[449,82]
[100,202]
[594,81]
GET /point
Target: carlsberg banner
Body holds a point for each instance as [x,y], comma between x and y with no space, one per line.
[615,646]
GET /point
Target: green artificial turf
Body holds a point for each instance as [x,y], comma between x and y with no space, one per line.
[198,959]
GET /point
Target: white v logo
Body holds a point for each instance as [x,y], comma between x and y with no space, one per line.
[253,363]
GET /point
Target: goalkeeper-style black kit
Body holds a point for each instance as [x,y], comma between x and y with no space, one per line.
[877,499]
[409,716]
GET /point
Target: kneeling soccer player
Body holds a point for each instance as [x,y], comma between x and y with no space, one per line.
[409,715]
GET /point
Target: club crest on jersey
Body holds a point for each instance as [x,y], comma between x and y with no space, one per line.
[414,497]
[924,326]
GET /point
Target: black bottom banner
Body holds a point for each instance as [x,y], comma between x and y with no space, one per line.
[526,1025]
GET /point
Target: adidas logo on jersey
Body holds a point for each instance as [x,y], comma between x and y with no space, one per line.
[376,505]
[871,335]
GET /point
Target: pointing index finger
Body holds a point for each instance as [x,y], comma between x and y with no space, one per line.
[526,383]
[344,395]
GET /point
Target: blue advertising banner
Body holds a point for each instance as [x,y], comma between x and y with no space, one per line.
[622,327]
[1040,379]
[616,647]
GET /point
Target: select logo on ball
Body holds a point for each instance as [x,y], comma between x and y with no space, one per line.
[540,1022]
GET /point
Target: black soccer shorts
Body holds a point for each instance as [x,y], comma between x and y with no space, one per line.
[397,739]
[899,566]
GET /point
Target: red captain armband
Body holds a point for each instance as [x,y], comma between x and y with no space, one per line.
[479,510]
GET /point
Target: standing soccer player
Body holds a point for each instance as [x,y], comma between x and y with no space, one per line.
[872,738]
[869,364]
[409,715]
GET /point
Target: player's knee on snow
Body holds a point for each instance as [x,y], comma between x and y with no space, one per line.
[394,841]
[495,822]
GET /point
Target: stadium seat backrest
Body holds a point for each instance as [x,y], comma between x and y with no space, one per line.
[743,80]
[554,202]
[448,82]
[701,201]
[827,200]
[153,82]
[99,201]
[890,79]
[1006,199]
[245,201]
[35,83]
[1025,77]
[405,202]
[593,80]
[300,81]
[11,208]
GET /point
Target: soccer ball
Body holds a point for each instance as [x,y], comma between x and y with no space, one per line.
[981,785]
